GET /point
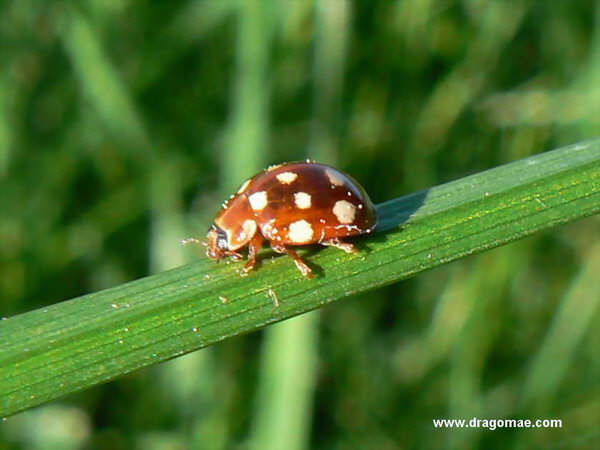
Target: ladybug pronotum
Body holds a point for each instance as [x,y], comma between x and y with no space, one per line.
[288,205]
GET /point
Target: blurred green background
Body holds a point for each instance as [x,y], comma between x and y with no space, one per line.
[124,124]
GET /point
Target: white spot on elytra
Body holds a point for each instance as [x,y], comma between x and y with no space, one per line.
[287,177]
[302,200]
[334,178]
[243,186]
[258,200]
[300,231]
[344,211]
[248,230]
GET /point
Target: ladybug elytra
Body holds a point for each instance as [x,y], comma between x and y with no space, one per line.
[288,205]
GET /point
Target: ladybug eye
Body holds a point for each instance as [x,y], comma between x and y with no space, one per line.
[221,237]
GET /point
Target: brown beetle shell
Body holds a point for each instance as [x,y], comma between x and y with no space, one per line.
[293,204]
[310,192]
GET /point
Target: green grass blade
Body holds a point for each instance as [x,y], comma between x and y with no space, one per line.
[289,351]
[249,124]
[288,371]
[101,82]
[574,317]
[50,352]
[247,148]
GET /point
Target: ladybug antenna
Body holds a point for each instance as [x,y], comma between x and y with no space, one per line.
[192,241]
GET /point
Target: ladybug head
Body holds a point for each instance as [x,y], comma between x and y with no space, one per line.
[217,243]
[223,243]
[232,229]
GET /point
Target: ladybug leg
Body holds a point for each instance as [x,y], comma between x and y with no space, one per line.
[233,255]
[336,242]
[254,247]
[300,264]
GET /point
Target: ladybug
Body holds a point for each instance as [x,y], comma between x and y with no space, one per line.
[291,204]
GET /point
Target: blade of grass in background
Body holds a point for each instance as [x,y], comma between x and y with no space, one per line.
[192,22]
[573,319]
[247,149]
[247,140]
[471,346]
[72,345]
[289,354]
[102,84]
[498,22]
[6,137]
[287,383]
[549,366]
